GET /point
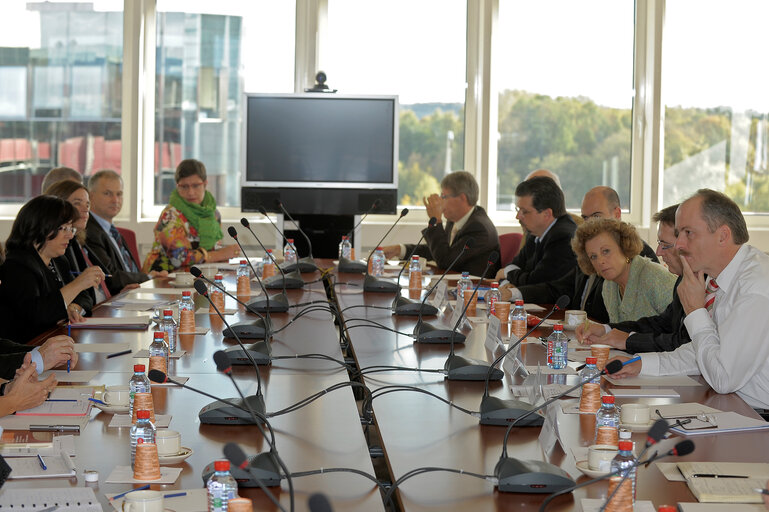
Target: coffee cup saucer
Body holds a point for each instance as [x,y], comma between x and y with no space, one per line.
[176,459]
[592,473]
[637,427]
[112,408]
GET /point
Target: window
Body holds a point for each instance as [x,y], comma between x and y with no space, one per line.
[60,104]
[417,51]
[563,72]
[714,92]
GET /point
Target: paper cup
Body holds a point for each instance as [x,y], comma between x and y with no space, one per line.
[502,311]
[601,353]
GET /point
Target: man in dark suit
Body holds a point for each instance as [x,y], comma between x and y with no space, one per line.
[56,351]
[661,333]
[465,220]
[103,239]
[547,253]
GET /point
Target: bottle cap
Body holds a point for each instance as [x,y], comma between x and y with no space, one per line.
[519,302]
[379,248]
[269,250]
[465,274]
[159,335]
[415,257]
[290,240]
[243,262]
[607,399]
[218,277]
[591,360]
[344,237]
[558,327]
[495,285]
[168,312]
[626,446]
[668,508]
[138,368]
[222,465]
[186,293]
[144,414]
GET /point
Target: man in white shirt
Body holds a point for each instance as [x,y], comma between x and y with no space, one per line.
[726,319]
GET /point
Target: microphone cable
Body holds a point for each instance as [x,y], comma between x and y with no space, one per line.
[367,413]
[382,487]
[432,469]
[385,390]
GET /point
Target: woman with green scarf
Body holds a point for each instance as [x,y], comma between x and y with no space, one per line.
[189,231]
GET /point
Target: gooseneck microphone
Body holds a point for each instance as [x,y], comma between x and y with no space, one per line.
[373,284]
[260,470]
[374,206]
[405,306]
[306,264]
[278,302]
[262,305]
[346,265]
[463,368]
[497,411]
[291,279]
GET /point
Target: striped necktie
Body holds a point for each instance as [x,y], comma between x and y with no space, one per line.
[710,295]
[103,284]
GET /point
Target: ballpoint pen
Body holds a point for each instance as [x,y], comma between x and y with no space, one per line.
[42,464]
[97,401]
[121,353]
[715,475]
[118,496]
[762,491]
[69,335]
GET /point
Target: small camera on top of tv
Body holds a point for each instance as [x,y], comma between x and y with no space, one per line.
[320,83]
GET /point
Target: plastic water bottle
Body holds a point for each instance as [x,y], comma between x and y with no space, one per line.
[170,329]
[415,274]
[221,487]
[216,295]
[143,431]
[244,279]
[557,348]
[345,248]
[624,462]
[492,296]
[377,262]
[607,422]
[186,312]
[463,284]
[268,265]
[158,350]
[139,383]
[289,252]
[518,318]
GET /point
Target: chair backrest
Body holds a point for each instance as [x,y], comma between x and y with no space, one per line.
[509,244]
[130,240]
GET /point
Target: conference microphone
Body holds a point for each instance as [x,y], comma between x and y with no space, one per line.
[427,333]
[291,279]
[222,413]
[261,351]
[352,266]
[405,306]
[497,411]
[277,303]
[306,264]
[260,470]
[374,206]
[374,284]
[463,368]
[261,305]
[319,503]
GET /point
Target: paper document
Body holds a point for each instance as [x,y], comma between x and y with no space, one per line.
[644,393]
[59,465]
[73,376]
[59,407]
[161,291]
[106,348]
[718,423]
[716,507]
[82,498]
[726,490]
[115,322]
[758,470]
[667,381]
[23,422]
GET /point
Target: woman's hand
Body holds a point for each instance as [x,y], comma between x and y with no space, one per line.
[224,254]
[75,313]
[26,391]
[90,277]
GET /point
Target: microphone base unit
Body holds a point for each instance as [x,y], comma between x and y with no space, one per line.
[495,411]
[293,281]
[257,329]
[262,467]
[463,368]
[260,352]
[406,306]
[530,476]
[372,284]
[428,333]
[277,303]
[349,266]
[220,413]
[303,265]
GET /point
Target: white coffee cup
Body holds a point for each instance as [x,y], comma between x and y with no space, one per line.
[599,456]
[574,317]
[116,395]
[169,442]
[184,278]
[143,501]
[635,414]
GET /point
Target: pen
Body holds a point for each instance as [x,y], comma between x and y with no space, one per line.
[762,491]
[708,475]
[54,428]
[61,400]
[121,353]
[175,495]
[118,496]
[42,464]
[97,401]
[69,365]
[636,358]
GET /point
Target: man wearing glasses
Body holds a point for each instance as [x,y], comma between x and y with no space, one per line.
[464,220]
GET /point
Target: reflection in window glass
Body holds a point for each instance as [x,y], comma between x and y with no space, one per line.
[564,74]
[208,55]
[715,101]
[60,103]
[415,50]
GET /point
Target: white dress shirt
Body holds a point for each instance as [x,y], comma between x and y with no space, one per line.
[731,350]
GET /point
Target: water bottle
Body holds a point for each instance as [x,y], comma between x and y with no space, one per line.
[624,462]
[289,252]
[607,422]
[170,329]
[139,383]
[518,318]
[216,295]
[159,352]
[244,279]
[268,265]
[377,262]
[221,487]
[143,431]
[186,313]
[463,284]
[590,397]
[557,348]
[415,274]
[345,248]
[492,296]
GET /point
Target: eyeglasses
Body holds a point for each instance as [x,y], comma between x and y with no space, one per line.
[664,245]
[448,196]
[523,211]
[191,186]
[71,229]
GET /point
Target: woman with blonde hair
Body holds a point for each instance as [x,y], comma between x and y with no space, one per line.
[634,286]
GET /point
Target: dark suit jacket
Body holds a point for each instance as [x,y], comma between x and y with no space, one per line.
[99,244]
[485,240]
[30,297]
[11,357]
[547,260]
[74,258]
[661,333]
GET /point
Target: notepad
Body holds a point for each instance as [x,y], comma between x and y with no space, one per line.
[59,407]
[114,322]
[726,490]
[726,422]
[716,507]
[644,393]
[73,376]
[57,466]
[82,499]
[666,381]
[107,348]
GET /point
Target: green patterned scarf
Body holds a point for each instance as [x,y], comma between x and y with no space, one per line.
[200,216]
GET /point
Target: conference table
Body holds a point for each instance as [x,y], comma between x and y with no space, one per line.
[408,429]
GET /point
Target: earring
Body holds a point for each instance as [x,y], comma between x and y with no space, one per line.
[627,260]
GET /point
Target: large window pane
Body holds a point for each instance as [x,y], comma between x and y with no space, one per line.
[714,91]
[417,51]
[208,55]
[564,74]
[60,100]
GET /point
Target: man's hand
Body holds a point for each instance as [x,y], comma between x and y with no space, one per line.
[391,251]
[500,275]
[57,350]
[26,391]
[593,330]
[434,206]
[506,292]
[630,370]
[75,313]
[691,290]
